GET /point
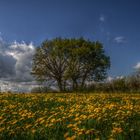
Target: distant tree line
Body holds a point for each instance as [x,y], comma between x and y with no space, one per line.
[127,84]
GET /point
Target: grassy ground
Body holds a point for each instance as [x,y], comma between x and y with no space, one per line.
[69,116]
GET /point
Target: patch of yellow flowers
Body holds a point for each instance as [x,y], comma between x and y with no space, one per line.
[70,116]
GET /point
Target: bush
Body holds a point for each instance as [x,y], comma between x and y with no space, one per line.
[39,90]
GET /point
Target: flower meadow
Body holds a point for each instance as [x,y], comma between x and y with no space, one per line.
[69,116]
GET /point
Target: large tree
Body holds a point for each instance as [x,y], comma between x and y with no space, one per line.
[70,61]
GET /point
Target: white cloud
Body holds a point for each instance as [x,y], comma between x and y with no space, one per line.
[23,54]
[15,65]
[102,18]
[17,86]
[137,66]
[109,79]
[120,77]
[120,39]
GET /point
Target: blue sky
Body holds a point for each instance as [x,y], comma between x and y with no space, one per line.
[116,23]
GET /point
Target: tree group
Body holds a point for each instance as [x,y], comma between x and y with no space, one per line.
[70,63]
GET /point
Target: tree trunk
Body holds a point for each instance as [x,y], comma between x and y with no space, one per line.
[64,86]
[59,82]
[84,79]
[75,85]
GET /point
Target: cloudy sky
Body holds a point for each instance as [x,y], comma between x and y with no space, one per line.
[116,23]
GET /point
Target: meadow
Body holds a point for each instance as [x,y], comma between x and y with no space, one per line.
[70,116]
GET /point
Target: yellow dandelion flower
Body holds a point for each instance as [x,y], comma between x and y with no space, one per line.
[80,133]
[14,122]
[28,126]
[33,131]
[52,120]
[1,117]
[77,115]
[117,130]
[66,134]
[71,138]
[76,119]
[70,125]
[87,132]
[68,138]
[1,129]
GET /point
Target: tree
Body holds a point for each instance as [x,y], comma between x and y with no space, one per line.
[49,62]
[133,81]
[70,61]
[87,62]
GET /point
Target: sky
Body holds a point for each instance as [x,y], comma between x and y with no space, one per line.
[25,24]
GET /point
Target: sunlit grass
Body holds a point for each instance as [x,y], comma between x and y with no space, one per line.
[70,116]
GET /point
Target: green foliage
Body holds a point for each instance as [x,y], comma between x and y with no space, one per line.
[126,84]
[133,82]
[70,62]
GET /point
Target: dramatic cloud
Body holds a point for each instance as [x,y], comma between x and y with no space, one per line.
[23,54]
[15,65]
[120,40]
[7,66]
[137,66]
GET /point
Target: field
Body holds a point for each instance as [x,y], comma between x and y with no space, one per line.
[69,116]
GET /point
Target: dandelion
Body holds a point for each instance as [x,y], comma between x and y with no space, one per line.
[1,117]
[28,126]
[117,130]
[71,138]
[87,132]
[14,122]
[66,134]
[33,131]
[1,129]
[80,133]
[52,120]
[70,125]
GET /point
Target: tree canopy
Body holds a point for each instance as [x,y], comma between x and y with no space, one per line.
[70,62]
